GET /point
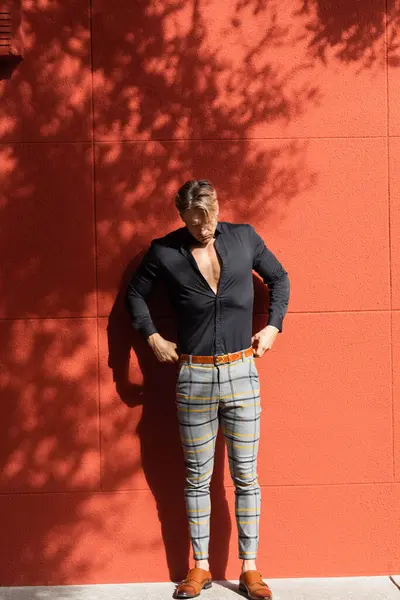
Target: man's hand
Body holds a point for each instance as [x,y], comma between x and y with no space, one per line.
[164,350]
[263,340]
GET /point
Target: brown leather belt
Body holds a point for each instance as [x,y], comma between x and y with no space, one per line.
[218,359]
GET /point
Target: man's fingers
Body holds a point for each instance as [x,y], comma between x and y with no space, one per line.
[172,358]
[260,351]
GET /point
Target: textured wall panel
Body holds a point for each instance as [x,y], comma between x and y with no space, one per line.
[394,162]
[393,38]
[138,414]
[49,408]
[48,96]
[396,385]
[333,237]
[326,399]
[47,241]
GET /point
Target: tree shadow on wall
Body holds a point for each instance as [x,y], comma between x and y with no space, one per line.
[161,453]
[187,98]
[354,31]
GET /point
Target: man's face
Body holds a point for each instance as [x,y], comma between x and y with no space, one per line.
[201,226]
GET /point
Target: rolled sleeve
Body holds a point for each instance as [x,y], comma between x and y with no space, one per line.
[274,275]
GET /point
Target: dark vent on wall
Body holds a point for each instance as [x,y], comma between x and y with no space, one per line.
[9,60]
[5,33]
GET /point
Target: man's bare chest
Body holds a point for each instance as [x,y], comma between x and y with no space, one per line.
[209,265]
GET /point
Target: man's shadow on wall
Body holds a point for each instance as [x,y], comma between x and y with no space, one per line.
[161,453]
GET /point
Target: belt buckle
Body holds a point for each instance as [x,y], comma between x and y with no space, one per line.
[218,359]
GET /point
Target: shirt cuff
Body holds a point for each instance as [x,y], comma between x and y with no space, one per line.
[276,322]
[148,329]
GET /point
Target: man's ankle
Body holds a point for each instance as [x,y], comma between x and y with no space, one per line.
[249,565]
[202,564]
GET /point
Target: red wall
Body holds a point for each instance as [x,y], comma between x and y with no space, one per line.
[292,109]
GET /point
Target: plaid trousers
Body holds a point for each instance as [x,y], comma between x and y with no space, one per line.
[206,395]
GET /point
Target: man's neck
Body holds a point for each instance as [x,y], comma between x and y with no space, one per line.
[197,244]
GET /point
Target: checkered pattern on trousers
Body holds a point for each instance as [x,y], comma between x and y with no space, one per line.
[207,394]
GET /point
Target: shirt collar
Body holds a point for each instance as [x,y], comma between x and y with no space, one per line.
[188,239]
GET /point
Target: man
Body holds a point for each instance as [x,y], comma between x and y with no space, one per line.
[207,267]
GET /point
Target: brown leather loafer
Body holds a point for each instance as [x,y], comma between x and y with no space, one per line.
[251,584]
[196,580]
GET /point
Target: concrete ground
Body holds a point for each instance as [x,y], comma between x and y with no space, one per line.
[332,588]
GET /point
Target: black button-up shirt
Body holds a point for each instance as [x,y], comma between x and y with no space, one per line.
[209,323]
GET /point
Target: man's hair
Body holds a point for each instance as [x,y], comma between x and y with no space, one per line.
[196,193]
